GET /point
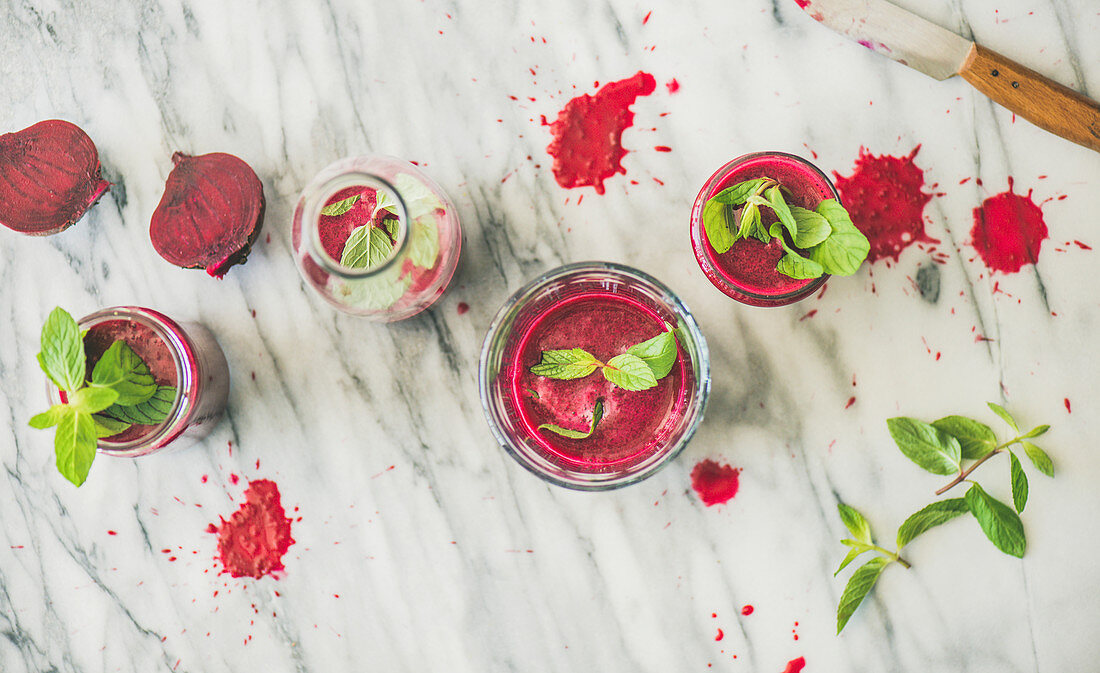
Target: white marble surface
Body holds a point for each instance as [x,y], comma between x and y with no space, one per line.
[456,559]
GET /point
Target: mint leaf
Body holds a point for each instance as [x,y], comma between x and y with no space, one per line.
[999,523]
[418,197]
[1039,458]
[340,207]
[811,228]
[858,587]
[122,370]
[659,353]
[50,417]
[1036,431]
[629,372]
[105,426]
[377,292]
[749,224]
[62,355]
[384,201]
[74,445]
[932,449]
[367,247]
[855,523]
[91,399]
[852,555]
[1019,483]
[597,414]
[718,225]
[975,438]
[1005,416]
[933,515]
[739,193]
[574,363]
[796,266]
[153,411]
[424,244]
[846,247]
[779,205]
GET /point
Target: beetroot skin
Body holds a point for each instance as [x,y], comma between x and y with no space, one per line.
[210,214]
[49,177]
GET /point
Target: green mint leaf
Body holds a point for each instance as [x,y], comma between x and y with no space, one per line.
[418,197]
[863,579]
[796,266]
[782,211]
[718,226]
[393,227]
[932,449]
[122,370]
[534,393]
[1039,458]
[1035,432]
[340,207]
[574,363]
[629,372]
[62,355]
[1005,416]
[846,247]
[424,244]
[811,228]
[937,513]
[749,224]
[998,521]
[376,292]
[597,414]
[855,523]
[975,438]
[659,353]
[1019,483]
[384,201]
[74,446]
[105,426]
[739,193]
[852,555]
[153,411]
[50,417]
[367,247]
[91,399]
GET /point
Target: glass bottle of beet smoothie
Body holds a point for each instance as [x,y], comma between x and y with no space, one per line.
[747,270]
[183,357]
[594,376]
[376,237]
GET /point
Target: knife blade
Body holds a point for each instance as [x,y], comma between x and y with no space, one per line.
[939,53]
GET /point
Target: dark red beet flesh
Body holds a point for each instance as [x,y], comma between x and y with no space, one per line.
[210,214]
[49,177]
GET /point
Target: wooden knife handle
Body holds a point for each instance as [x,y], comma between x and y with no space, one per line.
[1041,101]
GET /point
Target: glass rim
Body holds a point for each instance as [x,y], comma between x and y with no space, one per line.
[699,244]
[695,407]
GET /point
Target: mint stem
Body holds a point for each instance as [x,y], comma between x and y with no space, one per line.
[894,555]
[966,473]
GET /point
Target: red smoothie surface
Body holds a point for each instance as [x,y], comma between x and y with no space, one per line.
[605,325]
[750,264]
[148,346]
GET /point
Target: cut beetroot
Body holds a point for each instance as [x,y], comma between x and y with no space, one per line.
[49,177]
[210,214]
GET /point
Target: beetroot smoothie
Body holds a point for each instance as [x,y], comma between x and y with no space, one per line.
[634,423]
[746,272]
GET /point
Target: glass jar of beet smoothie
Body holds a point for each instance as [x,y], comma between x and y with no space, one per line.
[376,237]
[585,432]
[747,271]
[183,356]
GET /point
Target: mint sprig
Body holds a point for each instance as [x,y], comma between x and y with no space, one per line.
[639,368]
[942,447]
[120,381]
[825,241]
[597,415]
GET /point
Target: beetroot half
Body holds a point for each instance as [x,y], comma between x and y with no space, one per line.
[210,214]
[49,177]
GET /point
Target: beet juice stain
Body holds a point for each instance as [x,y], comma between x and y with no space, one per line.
[885,197]
[588,133]
[253,541]
[1008,231]
[716,484]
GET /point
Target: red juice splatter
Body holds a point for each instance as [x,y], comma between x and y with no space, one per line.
[111,532]
[647,15]
[253,541]
[463,307]
[663,148]
[588,133]
[795,665]
[803,3]
[720,635]
[851,401]
[885,197]
[747,610]
[234,478]
[716,484]
[672,85]
[1068,409]
[1008,231]
[1083,246]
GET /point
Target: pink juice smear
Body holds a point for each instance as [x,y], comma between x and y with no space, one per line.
[634,422]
